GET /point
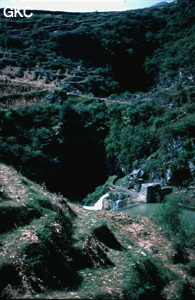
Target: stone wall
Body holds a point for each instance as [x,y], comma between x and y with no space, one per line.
[149,193]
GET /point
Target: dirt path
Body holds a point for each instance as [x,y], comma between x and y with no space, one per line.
[11,184]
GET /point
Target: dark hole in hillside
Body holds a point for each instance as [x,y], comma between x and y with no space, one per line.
[104,235]
[84,171]
[72,162]
[130,73]
[75,173]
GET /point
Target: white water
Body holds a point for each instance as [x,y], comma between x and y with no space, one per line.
[98,205]
[117,204]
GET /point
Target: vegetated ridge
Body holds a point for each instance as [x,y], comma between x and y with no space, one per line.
[160,3]
[85,97]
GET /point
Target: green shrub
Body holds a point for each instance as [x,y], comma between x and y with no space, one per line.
[177,227]
[191,268]
[94,197]
[146,280]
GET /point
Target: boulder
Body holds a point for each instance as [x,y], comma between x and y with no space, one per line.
[192,168]
[51,96]
[136,179]
[58,96]
[135,174]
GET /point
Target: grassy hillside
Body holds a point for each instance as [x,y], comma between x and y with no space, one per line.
[54,249]
[101,53]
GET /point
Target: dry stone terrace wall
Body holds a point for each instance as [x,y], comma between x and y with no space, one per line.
[15,94]
[21,100]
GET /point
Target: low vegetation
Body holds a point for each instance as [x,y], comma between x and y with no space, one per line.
[64,251]
[102,95]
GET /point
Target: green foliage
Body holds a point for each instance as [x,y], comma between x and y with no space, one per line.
[51,253]
[169,216]
[94,197]
[113,196]
[103,54]
[146,281]
[130,138]
[169,213]
[40,202]
[183,127]
[130,50]
[62,139]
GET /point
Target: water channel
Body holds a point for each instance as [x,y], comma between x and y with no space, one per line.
[151,209]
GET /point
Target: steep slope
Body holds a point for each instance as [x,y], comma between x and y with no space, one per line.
[52,248]
[100,53]
[36,234]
